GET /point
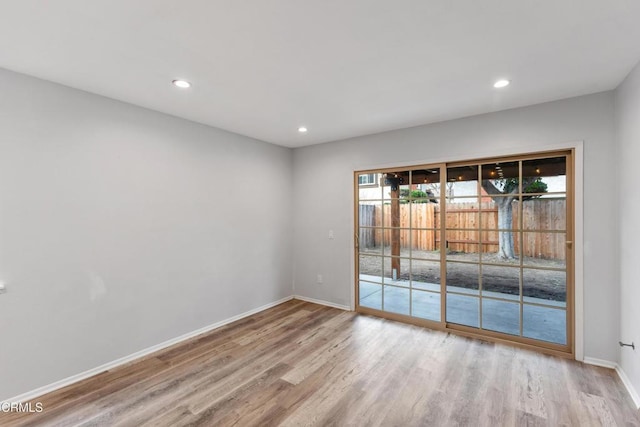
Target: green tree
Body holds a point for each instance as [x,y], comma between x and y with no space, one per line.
[417,196]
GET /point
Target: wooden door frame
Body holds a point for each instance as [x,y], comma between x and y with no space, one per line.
[575,305]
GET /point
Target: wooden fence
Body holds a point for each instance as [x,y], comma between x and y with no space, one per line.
[467,219]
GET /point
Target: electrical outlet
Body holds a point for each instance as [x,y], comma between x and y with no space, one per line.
[3,288]
[319,278]
[331,236]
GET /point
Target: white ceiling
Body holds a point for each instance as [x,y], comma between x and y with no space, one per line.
[340,67]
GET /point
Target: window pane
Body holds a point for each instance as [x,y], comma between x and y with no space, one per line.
[544,175]
[544,249]
[543,323]
[396,269]
[545,213]
[368,187]
[425,275]
[500,213]
[501,316]
[463,310]
[490,245]
[402,238]
[370,268]
[428,180]
[463,214]
[545,287]
[504,175]
[425,305]
[396,300]
[370,240]
[424,215]
[370,295]
[395,185]
[392,214]
[367,179]
[462,181]
[425,244]
[370,214]
[462,278]
[463,245]
[501,282]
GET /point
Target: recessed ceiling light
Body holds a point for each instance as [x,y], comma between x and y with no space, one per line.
[501,83]
[182,84]
[302,129]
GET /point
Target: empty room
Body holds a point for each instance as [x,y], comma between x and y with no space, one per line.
[288,213]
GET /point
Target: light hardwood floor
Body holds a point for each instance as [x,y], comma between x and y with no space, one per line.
[305,364]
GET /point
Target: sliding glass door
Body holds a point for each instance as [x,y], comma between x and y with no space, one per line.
[399,258]
[482,247]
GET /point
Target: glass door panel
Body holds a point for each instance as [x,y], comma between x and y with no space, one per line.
[370,268]
[544,287]
[462,181]
[481,246]
[397,299]
[501,316]
[425,244]
[501,282]
[425,275]
[369,186]
[370,295]
[544,324]
[463,310]
[523,216]
[425,305]
[463,304]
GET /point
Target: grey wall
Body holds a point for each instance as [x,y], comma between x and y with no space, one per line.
[121,228]
[627,111]
[323,193]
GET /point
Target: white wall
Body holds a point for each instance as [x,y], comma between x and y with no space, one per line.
[323,195]
[121,228]
[627,112]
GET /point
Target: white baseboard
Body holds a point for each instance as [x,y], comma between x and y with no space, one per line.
[627,383]
[30,395]
[600,362]
[322,302]
[621,374]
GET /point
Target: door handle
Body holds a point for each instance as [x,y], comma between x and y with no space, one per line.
[569,243]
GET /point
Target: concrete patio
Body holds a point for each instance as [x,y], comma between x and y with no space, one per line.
[463,307]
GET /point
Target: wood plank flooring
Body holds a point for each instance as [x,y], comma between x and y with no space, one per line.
[302,364]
